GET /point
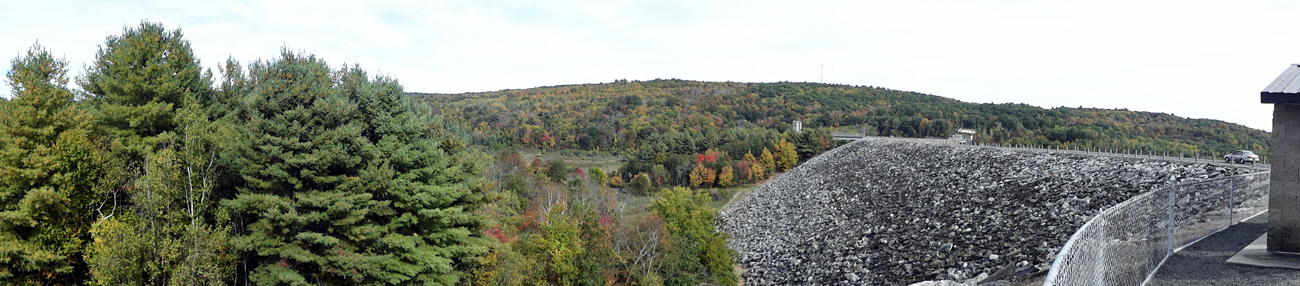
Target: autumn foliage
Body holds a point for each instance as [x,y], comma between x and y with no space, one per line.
[585,236]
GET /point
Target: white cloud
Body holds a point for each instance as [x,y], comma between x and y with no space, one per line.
[1190,58]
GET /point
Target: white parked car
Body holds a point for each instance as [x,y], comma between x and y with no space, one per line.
[1241,156]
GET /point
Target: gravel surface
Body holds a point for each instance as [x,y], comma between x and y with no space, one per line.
[1203,262]
[887,212]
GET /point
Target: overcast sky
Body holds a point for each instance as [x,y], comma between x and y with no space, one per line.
[1199,59]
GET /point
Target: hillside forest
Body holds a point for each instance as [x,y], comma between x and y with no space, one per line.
[662,127]
[151,170]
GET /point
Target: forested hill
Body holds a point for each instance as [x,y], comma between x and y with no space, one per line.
[623,115]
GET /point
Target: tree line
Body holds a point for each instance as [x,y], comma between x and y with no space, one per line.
[689,117]
[281,171]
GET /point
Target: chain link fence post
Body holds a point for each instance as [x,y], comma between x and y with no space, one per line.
[1232,195]
[1172,198]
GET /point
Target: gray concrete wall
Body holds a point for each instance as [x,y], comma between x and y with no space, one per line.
[1284,192]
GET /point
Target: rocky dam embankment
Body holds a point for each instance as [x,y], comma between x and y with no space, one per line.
[886,212]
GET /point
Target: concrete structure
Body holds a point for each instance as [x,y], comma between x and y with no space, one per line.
[797,126]
[1257,254]
[963,136]
[847,136]
[1280,246]
[1284,191]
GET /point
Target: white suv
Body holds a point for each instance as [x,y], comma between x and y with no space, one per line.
[1241,156]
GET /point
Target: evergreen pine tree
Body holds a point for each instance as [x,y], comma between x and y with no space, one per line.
[340,183]
[139,79]
[49,167]
[157,227]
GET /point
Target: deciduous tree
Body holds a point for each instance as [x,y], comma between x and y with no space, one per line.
[640,184]
[757,171]
[598,176]
[786,156]
[767,160]
[697,175]
[615,182]
[727,178]
[710,176]
[689,220]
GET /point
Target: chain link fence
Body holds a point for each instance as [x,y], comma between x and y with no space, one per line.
[1126,243]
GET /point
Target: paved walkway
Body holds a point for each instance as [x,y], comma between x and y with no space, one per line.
[1203,263]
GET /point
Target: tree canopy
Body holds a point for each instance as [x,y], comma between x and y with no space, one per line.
[49,171]
[340,183]
[139,78]
[688,117]
[287,172]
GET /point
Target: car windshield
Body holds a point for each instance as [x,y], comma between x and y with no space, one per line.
[1248,153]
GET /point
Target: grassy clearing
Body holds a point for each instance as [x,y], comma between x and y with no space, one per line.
[637,206]
[585,161]
[633,206]
[722,197]
[735,195]
[741,192]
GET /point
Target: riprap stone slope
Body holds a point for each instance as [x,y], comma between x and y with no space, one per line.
[888,212]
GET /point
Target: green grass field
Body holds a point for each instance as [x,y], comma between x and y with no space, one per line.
[604,162]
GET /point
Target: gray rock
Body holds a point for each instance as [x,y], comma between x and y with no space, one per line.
[890,205]
[977,279]
[1004,273]
[938,283]
[996,283]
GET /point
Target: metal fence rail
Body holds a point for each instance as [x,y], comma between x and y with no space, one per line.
[1126,243]
[1165,155]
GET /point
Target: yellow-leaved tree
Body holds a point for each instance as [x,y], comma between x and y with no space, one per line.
[786,156]
[727,178]
[767,160]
